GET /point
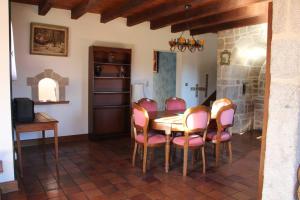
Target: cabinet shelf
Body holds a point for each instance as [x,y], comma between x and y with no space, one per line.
[110,77]
[111,106]
[111,92]
[107,63]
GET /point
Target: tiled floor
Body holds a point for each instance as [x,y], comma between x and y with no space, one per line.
[102,170]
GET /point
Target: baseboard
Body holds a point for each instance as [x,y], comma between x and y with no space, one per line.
[61,139]
[10,186]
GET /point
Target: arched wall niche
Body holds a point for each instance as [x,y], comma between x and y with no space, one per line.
[62,82]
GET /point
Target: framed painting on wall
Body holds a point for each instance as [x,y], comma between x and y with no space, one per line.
[225,57]
[46,39]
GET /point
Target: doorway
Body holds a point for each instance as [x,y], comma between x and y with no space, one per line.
[164,79]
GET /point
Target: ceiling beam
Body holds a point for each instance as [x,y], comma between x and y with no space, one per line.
[119,11]
[83,8]
[229,25]
[202,11]
[45,6]
[163,10]
[233,15]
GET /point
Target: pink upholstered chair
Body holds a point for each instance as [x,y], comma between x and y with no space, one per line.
[149,104]
[224,119]
[175,103]
[195,123]
[219,103]
[144,137]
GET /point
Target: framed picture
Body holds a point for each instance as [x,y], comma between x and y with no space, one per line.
[225,57]
[155,61]
[46,39]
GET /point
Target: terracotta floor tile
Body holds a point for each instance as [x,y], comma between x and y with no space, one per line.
[140,197]
[102,171]
[77,196]
[91,194]
[55,193]
[87,186]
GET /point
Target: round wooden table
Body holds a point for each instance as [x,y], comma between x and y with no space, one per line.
[167,121]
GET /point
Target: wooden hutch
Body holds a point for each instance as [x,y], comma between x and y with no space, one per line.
[109,91]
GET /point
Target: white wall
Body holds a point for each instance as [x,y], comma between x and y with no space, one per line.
[194,67]
[84,32]
[6,146]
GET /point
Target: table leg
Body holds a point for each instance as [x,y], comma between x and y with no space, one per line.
[19,153]
[168,138]
[56,142]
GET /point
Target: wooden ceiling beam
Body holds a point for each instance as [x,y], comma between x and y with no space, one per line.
[233,15]
[163,10]
[119,11]
[229,25]
[202,11]
[45,6]
[83,8]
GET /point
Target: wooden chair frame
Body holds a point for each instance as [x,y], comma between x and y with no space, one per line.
[144,130]
[220,129]
[188,132]
[223,100]
[226,100]
[146,99]
[172,99]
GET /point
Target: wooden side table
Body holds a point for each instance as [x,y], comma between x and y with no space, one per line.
[42,122]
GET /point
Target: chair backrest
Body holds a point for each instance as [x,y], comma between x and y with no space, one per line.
[196,120]
[149,104]
[225,117]
[219,103]
[175,103]
[140,119]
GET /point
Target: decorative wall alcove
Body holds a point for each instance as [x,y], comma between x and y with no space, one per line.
[48,87]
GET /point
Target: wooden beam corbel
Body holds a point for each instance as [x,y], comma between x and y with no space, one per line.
[83,8]
[45,6]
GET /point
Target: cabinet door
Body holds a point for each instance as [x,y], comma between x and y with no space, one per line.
[111,120]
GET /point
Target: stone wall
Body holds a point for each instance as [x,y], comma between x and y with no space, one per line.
[240,80]
[282,156]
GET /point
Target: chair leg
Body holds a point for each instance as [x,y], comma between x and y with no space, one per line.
[145,159]
[230,151]
[134,153]
[203,160]
[151,152]
[140,151]
[217,153]
[185,160]
[174,153]
[193,157]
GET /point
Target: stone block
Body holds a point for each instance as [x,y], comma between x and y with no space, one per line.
[235,71]
[31,81]
[283,48]
[294,20]
[228,32]
[55,76]
[229,46]
[40,76]
[48,72]
[280,19]
[229,39]
[64,81]
[221,43]
[231,92]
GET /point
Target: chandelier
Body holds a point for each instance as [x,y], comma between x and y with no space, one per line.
[182,43]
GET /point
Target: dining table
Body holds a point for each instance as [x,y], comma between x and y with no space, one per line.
[168,121]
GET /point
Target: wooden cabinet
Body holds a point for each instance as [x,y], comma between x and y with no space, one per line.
[109,91]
